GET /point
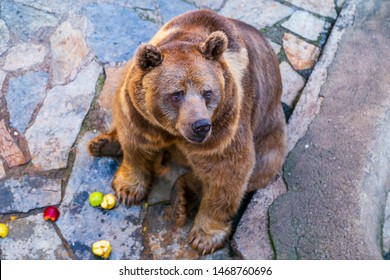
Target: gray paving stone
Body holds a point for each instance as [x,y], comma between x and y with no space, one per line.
[9,150]
[292,84]
[82,225]
[143,4]
[59,120]
[171,9]
[207,4]
[305,25]
[115,32]
[340,3]
[166,241]
[52,6]
[28,192]
[4,37]
[251,240]
[24,56]
[164,182]
[69,51]
[161,190]
[25,21]
[275,47]
[23,96]
[260,13]
[386,226]
[324,8]
[76,5]
[32,238]
[114,78]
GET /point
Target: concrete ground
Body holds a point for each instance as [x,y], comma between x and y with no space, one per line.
[60,62]
[338,173]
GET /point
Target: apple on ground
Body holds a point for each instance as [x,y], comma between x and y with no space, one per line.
[109,201]
[95,199]
[51,213]
[3,230]
[102,248]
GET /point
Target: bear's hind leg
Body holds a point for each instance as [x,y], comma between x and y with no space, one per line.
[105,144]
[270,155]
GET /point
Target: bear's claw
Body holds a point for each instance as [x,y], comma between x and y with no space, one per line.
[127,192]
[206,243]
[104,144]
[96,145]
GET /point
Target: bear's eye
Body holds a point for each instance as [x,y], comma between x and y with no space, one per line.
[177,95]
[207,94]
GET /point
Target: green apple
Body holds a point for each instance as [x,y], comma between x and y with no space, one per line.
[95,199]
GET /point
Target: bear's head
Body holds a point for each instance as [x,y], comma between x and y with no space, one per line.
[182,85]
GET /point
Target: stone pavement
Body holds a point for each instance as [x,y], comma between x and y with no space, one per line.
[338,173]
[60,62]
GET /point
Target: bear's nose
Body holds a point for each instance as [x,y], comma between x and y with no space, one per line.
[201,127]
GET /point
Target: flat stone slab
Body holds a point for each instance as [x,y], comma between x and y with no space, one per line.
[77,5]
[24,56]
[173,8]
[259,13]
[59,120]
[292,84]
[301,54]
[4,37]
[24,20]
[28,192]
[69,51]
[275,47]
[32,238]
[52,6]
[208,4]
[338,173]
[9,150]
[324,8]
[23,96]
[251,240]
[82,225]
[305,25]
[166,241]
[386,227]
[114,78]
[115,32]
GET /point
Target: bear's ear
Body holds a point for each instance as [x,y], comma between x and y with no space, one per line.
[215,45]
[148,57]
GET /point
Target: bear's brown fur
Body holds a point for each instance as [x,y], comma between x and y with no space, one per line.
[210,87]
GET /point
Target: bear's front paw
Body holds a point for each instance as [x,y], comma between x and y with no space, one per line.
[130,192]
[104,145]
[206,243]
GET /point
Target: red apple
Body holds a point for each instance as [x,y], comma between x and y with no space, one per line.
[51,213]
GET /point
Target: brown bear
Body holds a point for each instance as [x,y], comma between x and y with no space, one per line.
[210,87]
